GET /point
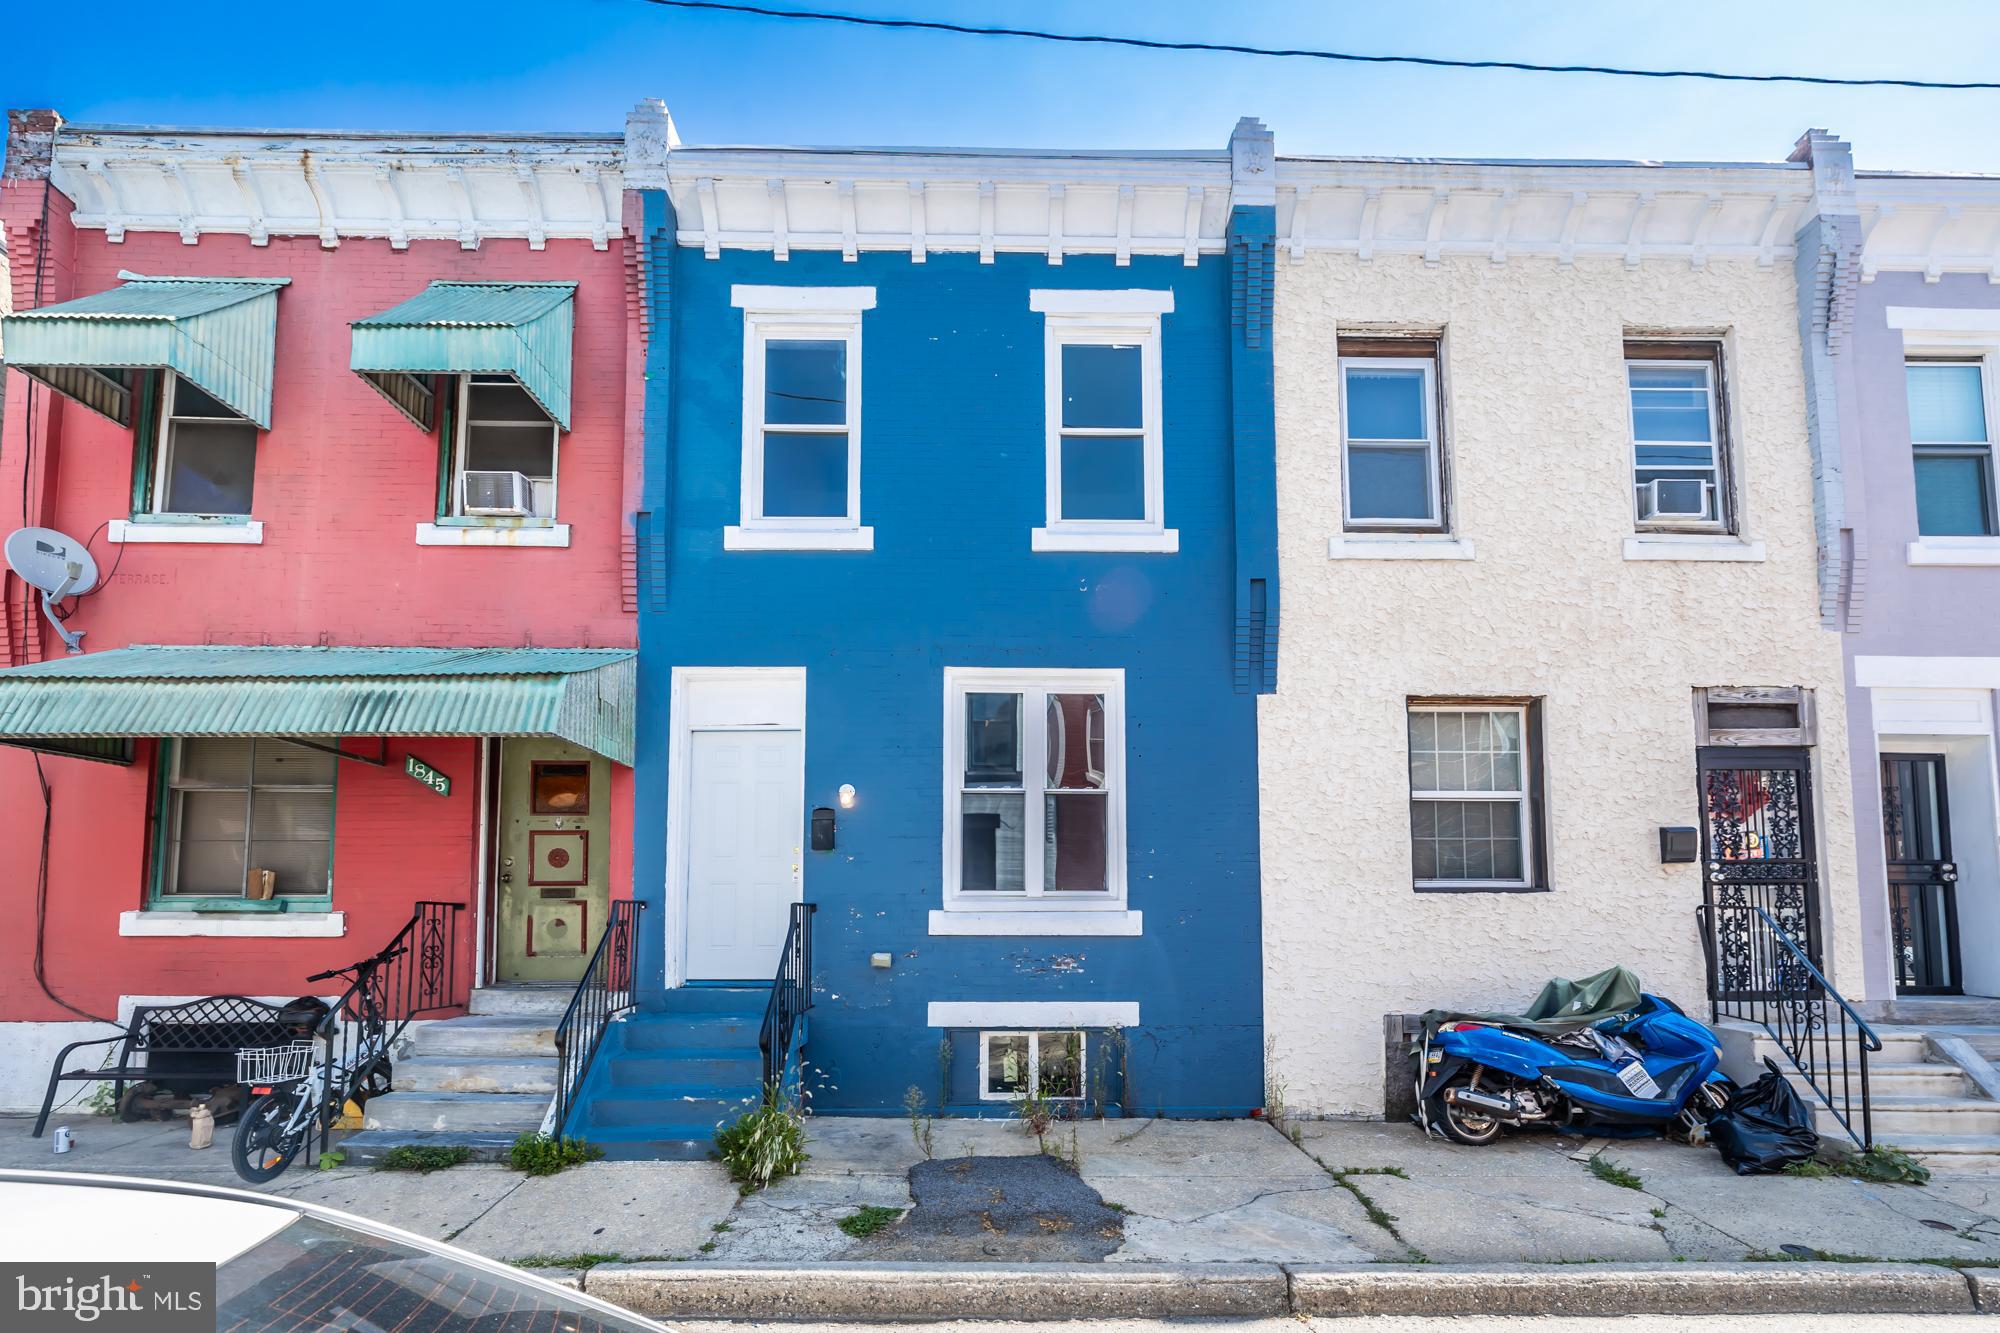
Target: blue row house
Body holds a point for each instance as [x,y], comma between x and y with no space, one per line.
[957,592]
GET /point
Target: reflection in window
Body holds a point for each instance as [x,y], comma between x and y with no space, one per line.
[1014,1064]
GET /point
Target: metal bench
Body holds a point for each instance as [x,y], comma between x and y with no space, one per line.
[192,1044]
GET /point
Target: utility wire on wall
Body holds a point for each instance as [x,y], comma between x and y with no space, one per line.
[1351,57]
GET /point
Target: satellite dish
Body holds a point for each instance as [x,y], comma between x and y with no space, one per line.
[57,565]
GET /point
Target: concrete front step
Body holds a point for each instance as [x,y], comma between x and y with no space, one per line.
[492,1036]
[727,1069]
[1950,1154]
[497,1112]
[674,1033]
[1938,1010]
[370,1146]
[1894,1117]
[533,1001]
[1981,1037]
[654,1144]
[658,1110]
[455,1073]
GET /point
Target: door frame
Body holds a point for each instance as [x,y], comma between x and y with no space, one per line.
[1949,890]
[1715,878]
[717,699]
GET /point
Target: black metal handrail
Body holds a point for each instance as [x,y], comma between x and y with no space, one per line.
[415,973]
[791,996]
[1775,985]
[604,993]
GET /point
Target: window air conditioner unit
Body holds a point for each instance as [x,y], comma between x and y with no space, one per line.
[496,494]
[1674,500]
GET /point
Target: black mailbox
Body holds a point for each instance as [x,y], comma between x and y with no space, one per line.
[822,829]
[1678,845]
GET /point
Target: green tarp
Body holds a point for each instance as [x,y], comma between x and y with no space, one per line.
[1563,1005]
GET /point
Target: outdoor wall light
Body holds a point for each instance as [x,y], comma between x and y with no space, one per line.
[1678,845]
[847,796]
[822,829]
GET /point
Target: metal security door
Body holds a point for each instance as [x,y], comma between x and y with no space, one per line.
[1758,852]
[1923,881]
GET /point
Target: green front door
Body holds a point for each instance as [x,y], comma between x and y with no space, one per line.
[553,879]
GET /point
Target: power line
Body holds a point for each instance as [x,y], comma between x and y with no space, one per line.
[1434,62]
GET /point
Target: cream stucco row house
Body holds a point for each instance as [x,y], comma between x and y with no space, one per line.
[1568,476]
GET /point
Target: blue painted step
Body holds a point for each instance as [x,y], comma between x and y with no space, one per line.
[666,1077]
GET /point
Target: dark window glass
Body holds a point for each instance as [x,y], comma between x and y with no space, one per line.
[1954,496]
[1101,387]
[805,476]
[1103,477]
[1392,483]
[211,466]
[805,383]
[561,789]
[992,740]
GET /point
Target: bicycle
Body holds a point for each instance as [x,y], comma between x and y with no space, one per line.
[289,1084]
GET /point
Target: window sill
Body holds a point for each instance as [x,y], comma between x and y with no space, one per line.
[1476,887]
[1073,922]
[292,925]
[1693,546]
[439,534]
[1398,548]
[779,539]
[1954,551]
[250,533]
[1136,543]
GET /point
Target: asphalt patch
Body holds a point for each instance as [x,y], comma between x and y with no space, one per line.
[1006,1209]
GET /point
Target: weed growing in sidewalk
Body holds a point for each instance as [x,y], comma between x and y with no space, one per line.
[870,1219]
[1882,1164]
[1380,1216]
[921,1125]
[588,1260]
[541,1155]
[1613,1174]
[329,1160]
[421,1158]
[765,1144]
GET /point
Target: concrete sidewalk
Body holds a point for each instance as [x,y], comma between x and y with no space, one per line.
[1345,1199]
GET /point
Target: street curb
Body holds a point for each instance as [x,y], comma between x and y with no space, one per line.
[943,1291]
[1626,1289]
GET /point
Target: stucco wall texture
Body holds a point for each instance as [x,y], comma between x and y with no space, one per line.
[1536,429]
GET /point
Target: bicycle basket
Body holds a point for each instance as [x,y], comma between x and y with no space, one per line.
[274,1064]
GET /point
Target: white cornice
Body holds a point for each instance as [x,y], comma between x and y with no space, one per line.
[1931,225]
[466,188]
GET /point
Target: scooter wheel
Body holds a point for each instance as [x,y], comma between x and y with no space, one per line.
[1462,1124]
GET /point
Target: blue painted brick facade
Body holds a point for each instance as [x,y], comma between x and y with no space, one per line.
[952,440]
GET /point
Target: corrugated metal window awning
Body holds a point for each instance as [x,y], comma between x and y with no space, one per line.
[215,332]
[582,695]
[520,329]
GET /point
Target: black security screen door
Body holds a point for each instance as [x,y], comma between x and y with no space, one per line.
[1757,851]
[1923,882]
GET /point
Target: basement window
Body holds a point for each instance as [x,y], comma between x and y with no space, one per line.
[1014,1064]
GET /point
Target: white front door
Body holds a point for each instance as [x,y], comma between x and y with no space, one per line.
[746,806]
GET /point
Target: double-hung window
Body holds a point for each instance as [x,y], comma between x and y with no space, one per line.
[1473,781]
[503,454]
[1104,437]
[801,419]
[232,808]
[1951,438]
[204,458]
[1034,789]
[1680,478]
[1392,452]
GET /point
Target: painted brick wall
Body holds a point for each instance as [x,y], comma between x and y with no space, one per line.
[342,482]
[952,482]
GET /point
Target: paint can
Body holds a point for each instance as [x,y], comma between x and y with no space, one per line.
[64,1139]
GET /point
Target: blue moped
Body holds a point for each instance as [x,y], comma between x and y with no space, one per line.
[1650,1067]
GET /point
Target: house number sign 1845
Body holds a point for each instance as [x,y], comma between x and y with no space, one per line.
[427,775]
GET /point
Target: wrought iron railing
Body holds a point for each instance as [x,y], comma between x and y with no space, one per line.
[604,992]
[1759,973]
[791,996]
[414,974]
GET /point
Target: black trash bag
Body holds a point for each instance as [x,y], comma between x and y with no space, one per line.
[1764,1127]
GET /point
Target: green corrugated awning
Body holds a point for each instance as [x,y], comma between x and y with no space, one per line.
[522,329]
[582,695]
[215,332]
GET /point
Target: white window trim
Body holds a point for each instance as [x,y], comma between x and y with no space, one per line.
[1433,451]
[1034,685]
[831,314]
[1525,795]
[1400,546]
[167,921]
[1953,551]
[1045,1014]
[163,450]
[497,533]
[1717,444]
[1711,546]
[248,533]
[1034,1037]
[1098,318]
[461,439]
[1937,549]
[1097,925]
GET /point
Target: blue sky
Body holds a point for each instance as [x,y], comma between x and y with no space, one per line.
[502,64]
